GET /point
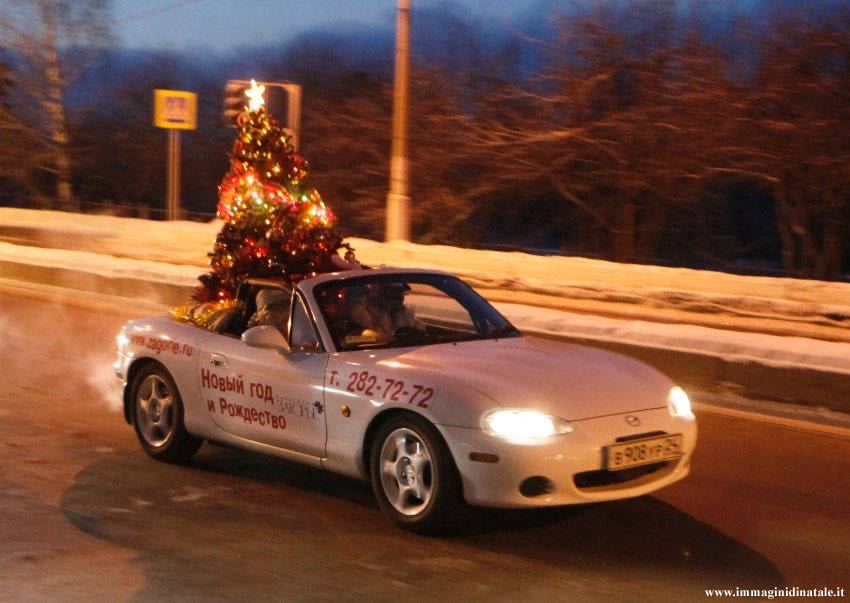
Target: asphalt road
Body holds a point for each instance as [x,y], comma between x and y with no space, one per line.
[84,515]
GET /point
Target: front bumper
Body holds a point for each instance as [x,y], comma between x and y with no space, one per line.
[120,366]
[515,479]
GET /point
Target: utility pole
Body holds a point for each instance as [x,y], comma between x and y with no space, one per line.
[398,199]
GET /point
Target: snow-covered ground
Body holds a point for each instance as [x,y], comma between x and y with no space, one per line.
[579,284]
[175,252]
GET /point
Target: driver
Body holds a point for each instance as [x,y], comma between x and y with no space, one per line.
[391,313]
[379,311]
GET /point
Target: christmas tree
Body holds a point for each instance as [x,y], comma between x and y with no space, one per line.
[275,225]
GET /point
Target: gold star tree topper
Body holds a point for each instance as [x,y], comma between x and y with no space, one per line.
[255,96]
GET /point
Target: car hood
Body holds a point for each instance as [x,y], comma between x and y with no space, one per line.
[573,382]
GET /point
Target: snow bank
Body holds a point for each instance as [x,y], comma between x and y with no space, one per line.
[650,293]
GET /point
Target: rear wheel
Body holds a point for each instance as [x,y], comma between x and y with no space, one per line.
[413,475]
[158,416]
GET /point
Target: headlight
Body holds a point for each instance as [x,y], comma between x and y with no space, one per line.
[679,403]
[518,423]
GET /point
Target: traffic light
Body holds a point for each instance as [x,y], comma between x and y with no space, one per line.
[235,100]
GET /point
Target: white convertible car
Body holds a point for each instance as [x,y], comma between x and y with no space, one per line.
[411,380]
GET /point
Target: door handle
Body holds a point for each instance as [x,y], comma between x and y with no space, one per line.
[218,361]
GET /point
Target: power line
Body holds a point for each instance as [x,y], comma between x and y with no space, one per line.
[175,4]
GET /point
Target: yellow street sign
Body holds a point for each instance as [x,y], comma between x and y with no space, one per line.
[175,109]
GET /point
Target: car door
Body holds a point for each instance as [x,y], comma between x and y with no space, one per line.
[265,395]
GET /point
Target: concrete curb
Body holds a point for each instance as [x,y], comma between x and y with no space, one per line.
[169,294]
[709,373]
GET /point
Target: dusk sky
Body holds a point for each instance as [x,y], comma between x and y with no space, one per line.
[224,24]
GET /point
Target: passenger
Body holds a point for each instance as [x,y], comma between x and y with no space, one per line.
[272,309]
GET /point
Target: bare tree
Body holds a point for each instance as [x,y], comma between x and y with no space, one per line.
[346,140]
[19,150]
[637,114]
[47,44]
[625,123]
[797,117]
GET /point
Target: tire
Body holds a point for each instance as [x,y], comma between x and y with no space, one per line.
[413,476]
[157,412]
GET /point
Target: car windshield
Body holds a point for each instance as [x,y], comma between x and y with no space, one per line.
[408,309]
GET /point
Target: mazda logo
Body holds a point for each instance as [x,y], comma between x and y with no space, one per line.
[632,420]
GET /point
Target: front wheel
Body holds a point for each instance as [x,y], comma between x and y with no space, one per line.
[413,475]
[158,416]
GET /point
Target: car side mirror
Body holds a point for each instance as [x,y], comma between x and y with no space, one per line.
[308,347]
[265,337]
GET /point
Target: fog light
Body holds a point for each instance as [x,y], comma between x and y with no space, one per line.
[536,486]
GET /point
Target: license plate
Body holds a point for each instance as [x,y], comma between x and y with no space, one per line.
[643,452]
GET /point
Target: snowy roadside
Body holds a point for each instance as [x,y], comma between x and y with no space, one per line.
[784,306]
[160,262]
